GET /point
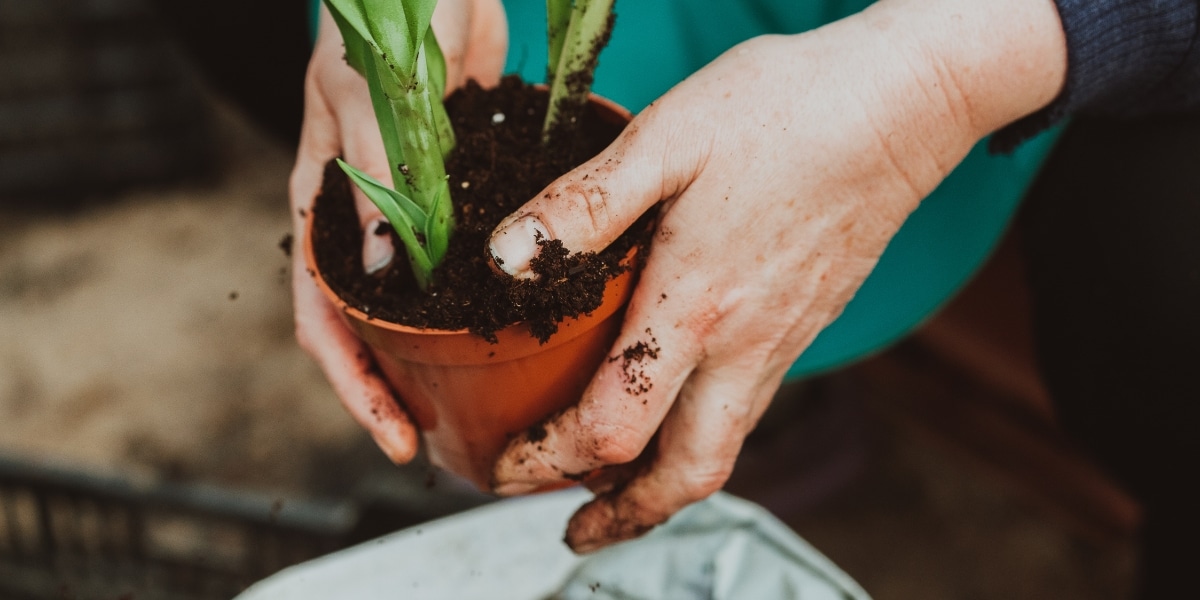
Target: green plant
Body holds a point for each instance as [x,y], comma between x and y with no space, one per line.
[390,42]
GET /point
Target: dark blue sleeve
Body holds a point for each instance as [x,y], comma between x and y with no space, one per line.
[1124,57]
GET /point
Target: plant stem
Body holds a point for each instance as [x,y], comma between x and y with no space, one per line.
[587,33]
[558,19]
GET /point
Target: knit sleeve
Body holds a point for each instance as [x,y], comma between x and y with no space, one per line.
[1124,57]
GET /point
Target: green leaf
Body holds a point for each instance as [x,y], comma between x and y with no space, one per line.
[436,75]
[387,199]
[437,64]
[352,23]
[388,123]
[420,15]
[437,233]
[405,216]
[398,28]
[558,17]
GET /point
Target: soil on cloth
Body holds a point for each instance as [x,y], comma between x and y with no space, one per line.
[498,164]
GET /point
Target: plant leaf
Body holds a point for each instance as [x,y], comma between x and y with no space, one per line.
[558,17]
[387,199]
[405,216]
[437,64]
[388,125]
[419,16]
[352,23]
[437,234]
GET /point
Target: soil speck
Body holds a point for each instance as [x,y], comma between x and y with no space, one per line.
[536,432]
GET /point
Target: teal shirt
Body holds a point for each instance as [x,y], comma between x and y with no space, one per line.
[657,43]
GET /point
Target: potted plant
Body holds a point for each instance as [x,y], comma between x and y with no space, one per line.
[475,357]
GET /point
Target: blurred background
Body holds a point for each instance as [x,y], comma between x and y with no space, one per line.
[162,435]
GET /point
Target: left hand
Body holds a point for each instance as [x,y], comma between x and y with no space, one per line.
[787,165]
[339,121]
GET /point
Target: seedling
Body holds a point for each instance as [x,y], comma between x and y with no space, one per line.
[391,43]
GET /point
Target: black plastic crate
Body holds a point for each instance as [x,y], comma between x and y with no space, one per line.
[66,534]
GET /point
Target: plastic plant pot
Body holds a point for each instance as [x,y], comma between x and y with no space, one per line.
[468,396]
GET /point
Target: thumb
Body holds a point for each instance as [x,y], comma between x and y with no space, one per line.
[592,205]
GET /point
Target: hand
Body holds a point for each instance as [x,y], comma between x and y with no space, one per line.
[786,166]
[339,121]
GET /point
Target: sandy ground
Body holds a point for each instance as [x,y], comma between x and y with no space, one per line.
[152,334]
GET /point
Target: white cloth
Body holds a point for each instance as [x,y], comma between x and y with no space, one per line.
[723,548]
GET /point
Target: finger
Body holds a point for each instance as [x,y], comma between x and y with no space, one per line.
[319,142]
[627,399]
[487,43]
[362,148]
[697,447]
[451,24]
[352,373]
[593,204]
[605,479]
[343,358]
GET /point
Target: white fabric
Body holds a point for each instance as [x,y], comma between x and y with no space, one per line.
[722,548]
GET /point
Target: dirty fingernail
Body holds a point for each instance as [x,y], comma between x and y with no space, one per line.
[377,247]
[514,246]
[514,488]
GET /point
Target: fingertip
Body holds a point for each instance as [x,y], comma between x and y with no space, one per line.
[599,524]
[585,533]
[378,250]
[513,488]
[398,449]
[513,245]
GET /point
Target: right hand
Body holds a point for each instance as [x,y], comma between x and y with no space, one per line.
[339,121]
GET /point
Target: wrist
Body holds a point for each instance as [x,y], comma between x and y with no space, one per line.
[994,62]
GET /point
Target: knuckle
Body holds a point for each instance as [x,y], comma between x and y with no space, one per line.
[588,199]
[615,445]
[698,485]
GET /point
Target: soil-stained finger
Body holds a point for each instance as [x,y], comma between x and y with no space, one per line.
[696,449]
[621,409]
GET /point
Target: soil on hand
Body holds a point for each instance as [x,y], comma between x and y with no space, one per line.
[497,165]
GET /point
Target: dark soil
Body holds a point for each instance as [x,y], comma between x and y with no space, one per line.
[497,166]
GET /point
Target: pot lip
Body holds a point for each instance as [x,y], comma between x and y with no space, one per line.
[614,110]
[381,323]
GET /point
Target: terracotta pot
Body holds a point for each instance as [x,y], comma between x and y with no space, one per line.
[469,396]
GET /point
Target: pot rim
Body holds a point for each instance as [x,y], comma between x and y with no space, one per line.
[607,109]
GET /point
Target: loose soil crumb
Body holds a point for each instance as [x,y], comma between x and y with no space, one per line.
[632,358]
[536,432]
[495,168]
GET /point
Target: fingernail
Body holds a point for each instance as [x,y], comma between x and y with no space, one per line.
[514,246]
[394,447]
[586,547]
[514,488]
[377,247]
